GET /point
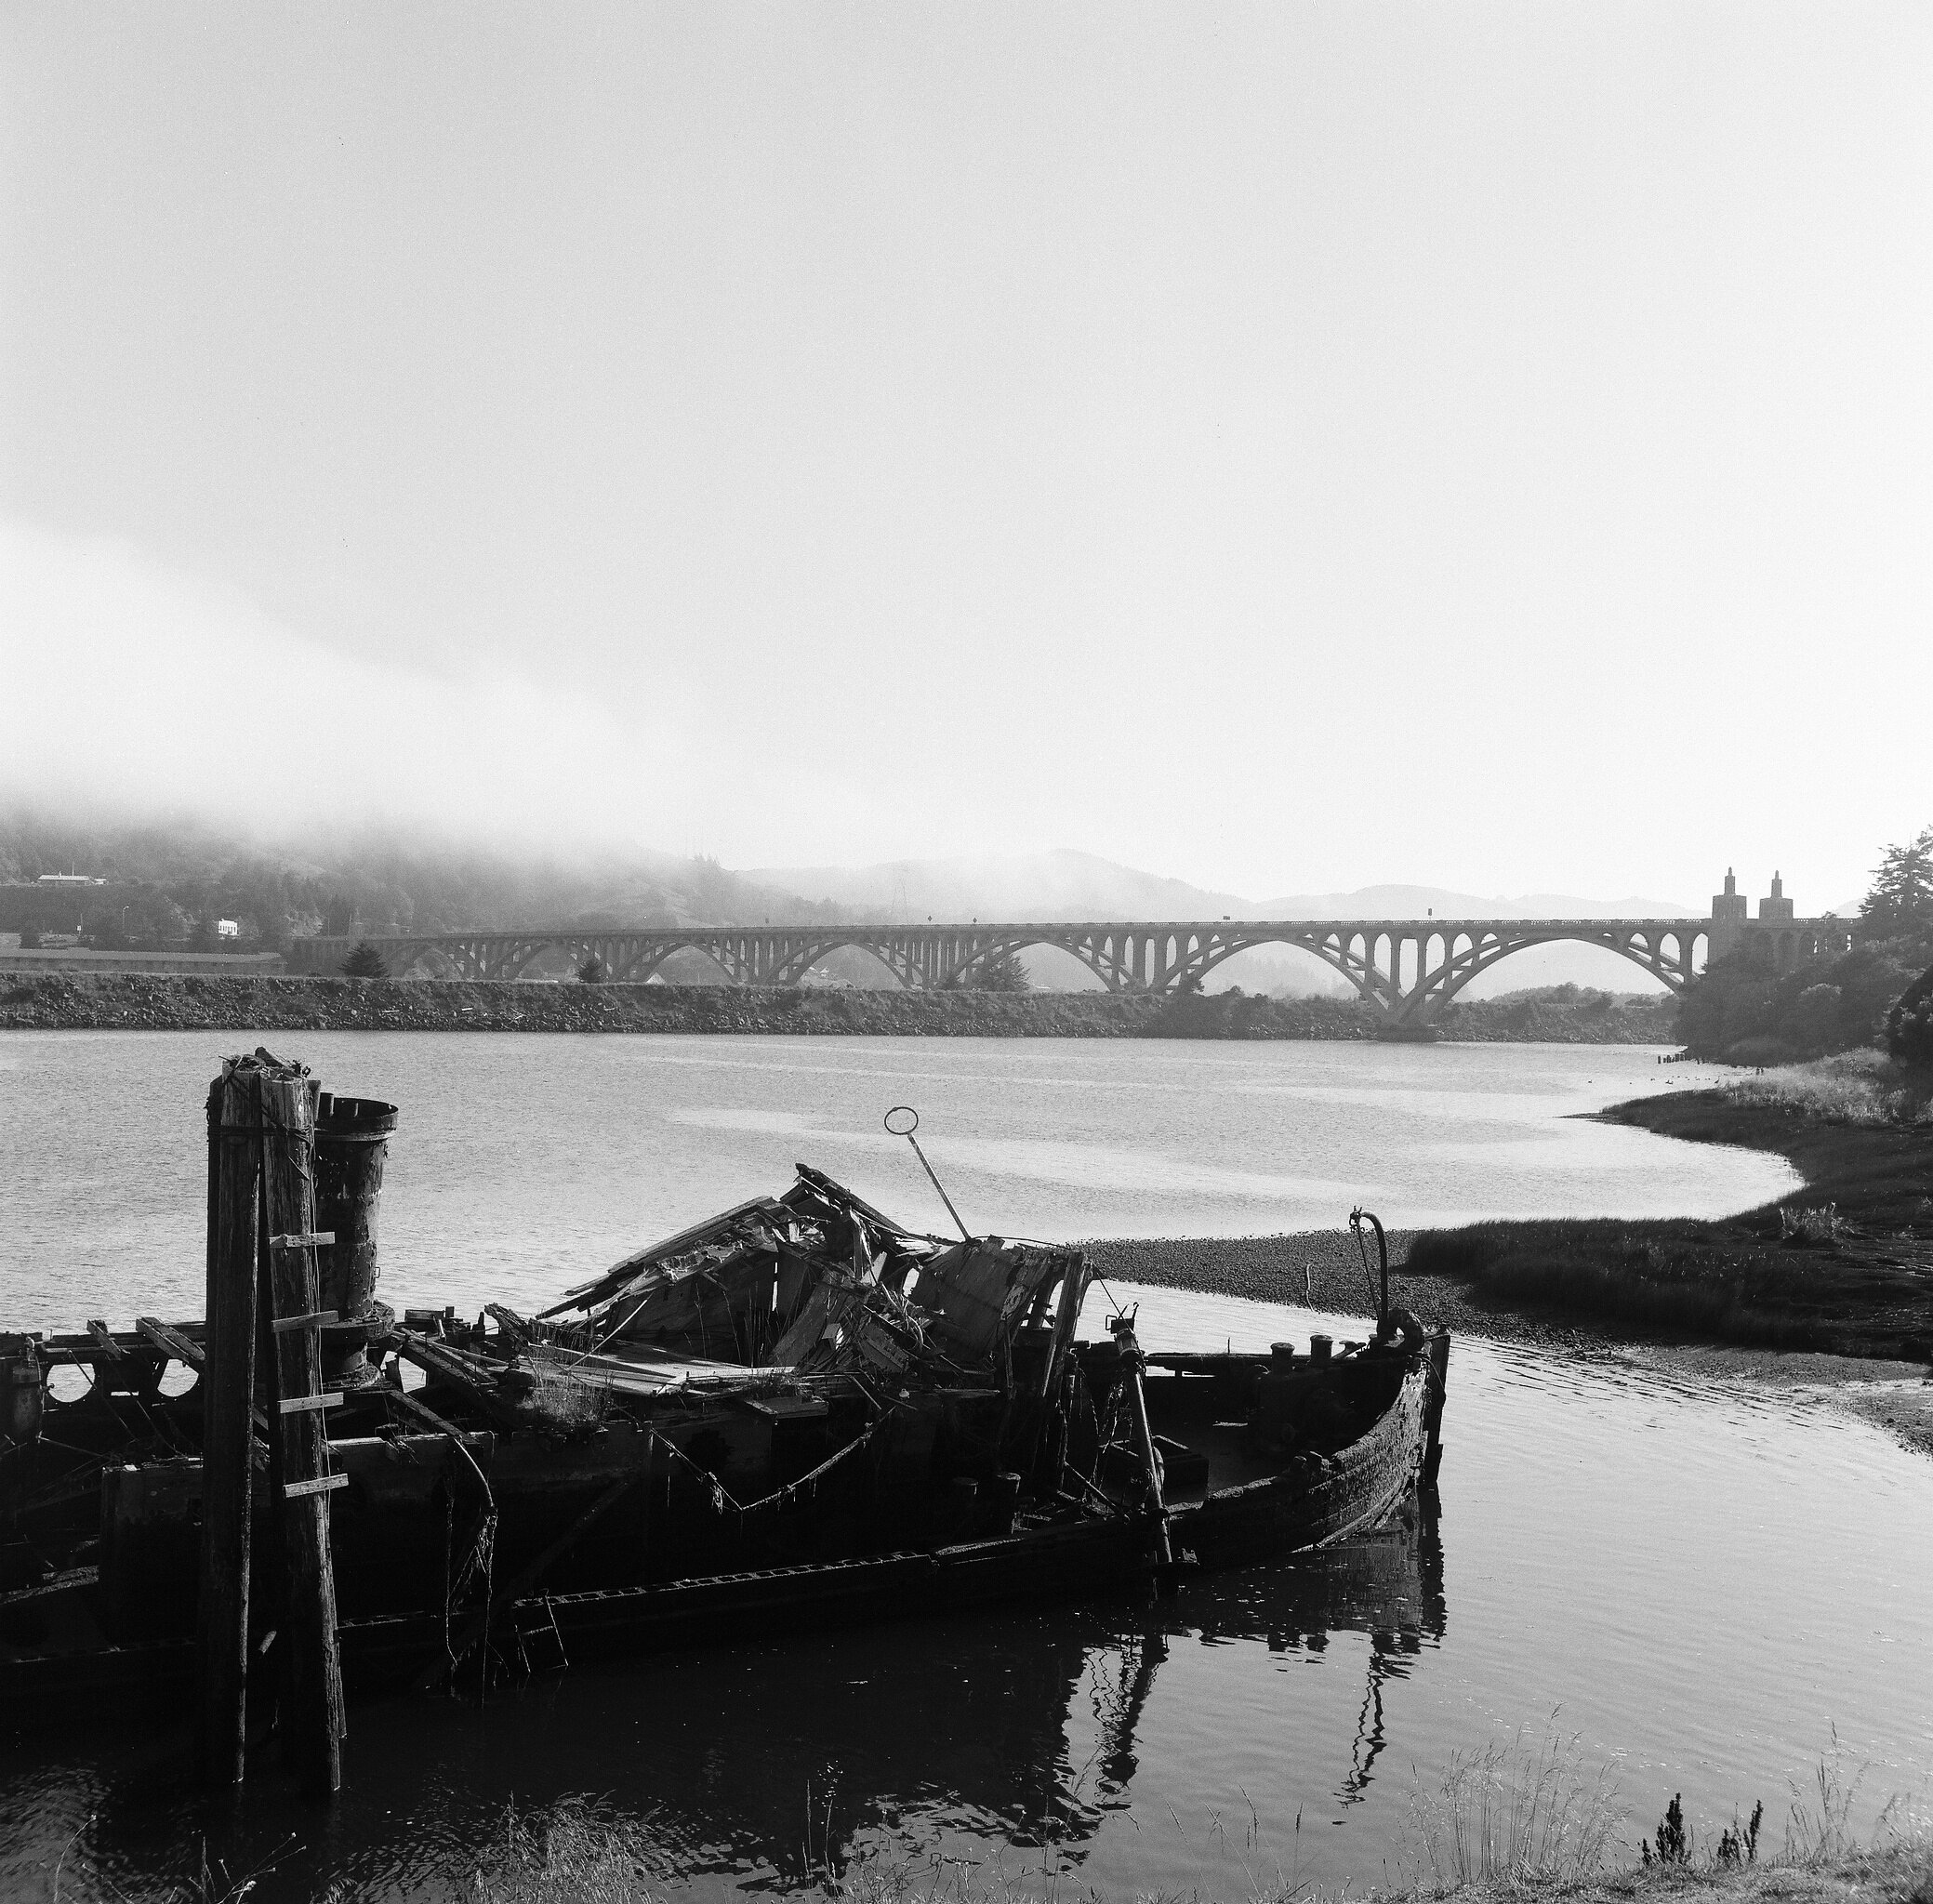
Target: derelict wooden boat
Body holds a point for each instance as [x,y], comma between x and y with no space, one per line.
[797,1414]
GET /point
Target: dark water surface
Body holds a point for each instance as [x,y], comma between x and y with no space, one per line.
[1700,1583]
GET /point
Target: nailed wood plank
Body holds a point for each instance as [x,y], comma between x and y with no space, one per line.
[315,1318]
[322,1483]
[298,1404]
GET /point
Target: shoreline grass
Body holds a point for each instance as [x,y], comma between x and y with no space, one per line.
[1530,1826]
[1839,1265]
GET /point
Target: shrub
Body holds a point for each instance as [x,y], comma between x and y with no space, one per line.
[1818,1223]
[1909,1025]
[591,972]
[1814,1019]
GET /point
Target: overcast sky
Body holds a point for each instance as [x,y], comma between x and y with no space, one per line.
[1284,446]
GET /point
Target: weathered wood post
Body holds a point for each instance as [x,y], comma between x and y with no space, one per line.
[228,1389]
[313,1723]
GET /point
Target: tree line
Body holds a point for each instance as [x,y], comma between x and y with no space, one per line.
[1879,992]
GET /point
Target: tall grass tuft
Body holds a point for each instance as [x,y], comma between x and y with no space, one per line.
[1818,1828]
[1520,1813]
[569,1400]
[1817,1222]
[576,1852]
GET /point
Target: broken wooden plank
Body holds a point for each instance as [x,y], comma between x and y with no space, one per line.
[430,1417]
[170,1341]
[476,1381]
[509,1321]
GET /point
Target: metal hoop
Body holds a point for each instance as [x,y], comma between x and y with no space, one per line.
[902,1111]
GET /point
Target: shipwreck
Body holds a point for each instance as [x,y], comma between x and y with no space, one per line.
[797,1411]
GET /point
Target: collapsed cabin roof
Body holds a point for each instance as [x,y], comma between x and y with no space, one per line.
[817,1278]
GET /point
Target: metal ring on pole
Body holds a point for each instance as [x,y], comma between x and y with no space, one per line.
[902,1111]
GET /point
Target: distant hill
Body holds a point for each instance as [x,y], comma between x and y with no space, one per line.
[166,875]
[373,881]
[1419,902]
[1063,884]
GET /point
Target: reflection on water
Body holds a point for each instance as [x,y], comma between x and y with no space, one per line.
[759,1766]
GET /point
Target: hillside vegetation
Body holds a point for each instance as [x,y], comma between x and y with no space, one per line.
[169,882]
[1742,1011]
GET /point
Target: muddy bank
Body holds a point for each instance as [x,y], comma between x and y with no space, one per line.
[1895,1394]
[1827,1293]
[68,1002]
[1843,1265]
[1321,1268]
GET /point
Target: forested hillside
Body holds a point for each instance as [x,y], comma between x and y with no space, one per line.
[169,882]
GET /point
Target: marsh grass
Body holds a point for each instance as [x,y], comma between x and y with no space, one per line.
[1809,1223]
[1672,1277]
[1509,1820]
[578,1851]
[1865,1089]
[1516,1813]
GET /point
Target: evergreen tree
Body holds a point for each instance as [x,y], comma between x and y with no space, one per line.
[1901,898]
[1001,972]
[591,972]
[365,962]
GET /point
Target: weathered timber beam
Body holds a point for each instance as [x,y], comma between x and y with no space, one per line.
[477,1383]
[479,1626]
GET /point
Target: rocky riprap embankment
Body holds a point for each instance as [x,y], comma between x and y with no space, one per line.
[194,1003]
[121,1002]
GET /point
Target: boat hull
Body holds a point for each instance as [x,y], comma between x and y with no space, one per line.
[1313,1501]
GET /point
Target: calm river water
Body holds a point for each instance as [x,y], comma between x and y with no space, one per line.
[1699,1583]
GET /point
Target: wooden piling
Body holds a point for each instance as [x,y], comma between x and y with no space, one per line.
[312,1719]
[228,1386]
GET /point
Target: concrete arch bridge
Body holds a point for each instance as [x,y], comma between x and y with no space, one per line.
[1408,969]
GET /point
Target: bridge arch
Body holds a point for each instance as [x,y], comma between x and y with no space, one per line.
[1350,957]
[974,953]
[1490,948]
[878,946]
